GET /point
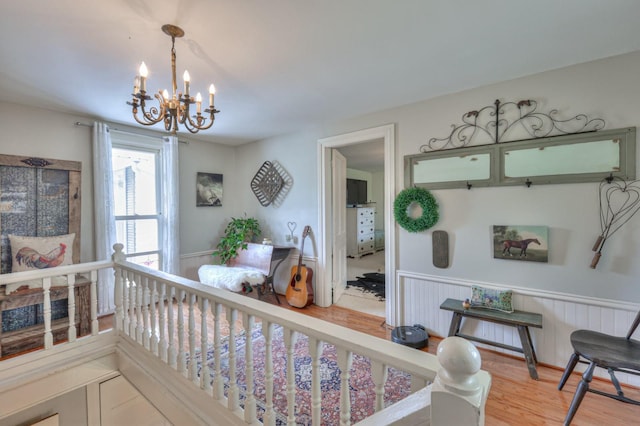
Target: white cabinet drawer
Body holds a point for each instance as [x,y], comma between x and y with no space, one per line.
[364,230]
[365,221]
[366,212]
[365,238]
[366,247]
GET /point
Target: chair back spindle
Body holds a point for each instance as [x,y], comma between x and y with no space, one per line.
[634,325]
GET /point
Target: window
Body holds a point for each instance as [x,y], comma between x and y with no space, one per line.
[136,193]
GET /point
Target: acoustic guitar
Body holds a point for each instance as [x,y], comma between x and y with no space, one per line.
[300,290]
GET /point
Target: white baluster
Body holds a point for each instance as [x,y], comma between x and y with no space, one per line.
[71,307]
[379,375]
[250,398]
[290,342]
[140,302]
[132,305]
[315,351]
[457,395]
[48,336]
[205,374]
[172,353]
[233,398]
[162,301]
[93,296]
[218,383]
[193,367]
[121,305]
[126,322]
[344,362]
[152,328]
[146,300]
[182,365]
[269,417]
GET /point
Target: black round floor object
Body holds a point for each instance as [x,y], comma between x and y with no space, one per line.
[414,336]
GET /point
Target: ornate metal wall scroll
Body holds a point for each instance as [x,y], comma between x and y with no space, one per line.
[494,123]
[271,184]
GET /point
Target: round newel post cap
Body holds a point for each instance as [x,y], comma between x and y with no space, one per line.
[460,361]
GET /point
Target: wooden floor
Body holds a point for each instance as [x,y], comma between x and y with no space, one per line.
[514,398]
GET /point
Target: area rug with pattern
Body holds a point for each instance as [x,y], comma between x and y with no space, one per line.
[370,284]
[362,389]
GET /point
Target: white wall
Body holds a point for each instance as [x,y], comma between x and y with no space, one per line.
[43,133]
[35,132]
[606,88]
[200,227]
[297,155]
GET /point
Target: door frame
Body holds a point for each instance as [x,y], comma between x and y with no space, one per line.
[325,266]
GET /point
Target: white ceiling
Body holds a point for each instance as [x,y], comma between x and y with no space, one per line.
[281,66]
[367,156]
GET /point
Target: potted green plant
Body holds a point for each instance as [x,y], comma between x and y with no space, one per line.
[237,234]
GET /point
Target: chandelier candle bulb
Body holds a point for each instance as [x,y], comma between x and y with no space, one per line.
[186,82]
[136,85]
[198,103]
[212,91]
[143,77]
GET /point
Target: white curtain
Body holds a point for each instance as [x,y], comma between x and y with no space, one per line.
[104,219]
[170,206]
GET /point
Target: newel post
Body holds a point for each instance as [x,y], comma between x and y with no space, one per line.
[460,389]
[118,256]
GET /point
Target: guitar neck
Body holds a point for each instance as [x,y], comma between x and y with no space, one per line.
[305,233]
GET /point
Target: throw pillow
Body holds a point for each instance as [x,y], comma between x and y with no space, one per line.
[29,253]
[499,300]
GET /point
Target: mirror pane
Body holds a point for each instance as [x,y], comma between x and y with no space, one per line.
[575,158]
[459,168]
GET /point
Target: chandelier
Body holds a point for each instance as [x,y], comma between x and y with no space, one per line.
[172,110]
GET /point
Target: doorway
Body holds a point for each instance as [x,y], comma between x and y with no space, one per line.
[364,233]
[331,275]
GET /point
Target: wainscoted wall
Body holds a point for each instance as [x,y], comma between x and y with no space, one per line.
[420,296]
[189,264]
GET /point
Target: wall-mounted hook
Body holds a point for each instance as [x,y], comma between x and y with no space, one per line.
[528,183]
[292,227]
[609,178]
[469,185]
[76,195]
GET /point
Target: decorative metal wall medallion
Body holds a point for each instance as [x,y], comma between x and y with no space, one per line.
[267,183]
[494,123]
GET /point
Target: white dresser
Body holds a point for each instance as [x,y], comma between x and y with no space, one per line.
[360,231]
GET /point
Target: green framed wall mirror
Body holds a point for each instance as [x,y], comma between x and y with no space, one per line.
[574,158]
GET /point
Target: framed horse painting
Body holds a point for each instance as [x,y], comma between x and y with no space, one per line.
[521,242]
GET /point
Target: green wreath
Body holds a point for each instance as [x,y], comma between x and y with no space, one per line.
[429,206]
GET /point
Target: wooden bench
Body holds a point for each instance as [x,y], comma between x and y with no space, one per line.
[251,266]
[519,319]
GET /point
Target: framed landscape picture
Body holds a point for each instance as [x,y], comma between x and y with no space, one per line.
[521,242]
[208,189]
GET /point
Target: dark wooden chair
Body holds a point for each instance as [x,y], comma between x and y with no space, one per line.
[605,351]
